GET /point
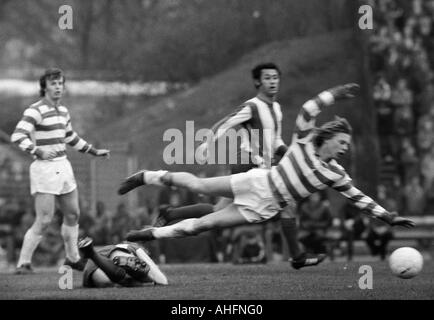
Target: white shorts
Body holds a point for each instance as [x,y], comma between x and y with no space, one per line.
[253,196]
[54,177]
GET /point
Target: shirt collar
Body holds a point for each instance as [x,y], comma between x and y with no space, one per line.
[49,103]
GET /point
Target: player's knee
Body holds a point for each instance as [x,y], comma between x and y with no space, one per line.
[42,222]
[71,217]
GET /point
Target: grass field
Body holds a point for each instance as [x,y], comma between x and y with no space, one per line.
[331,280]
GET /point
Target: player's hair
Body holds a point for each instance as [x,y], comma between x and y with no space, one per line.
[49,74]
[256,71]
[329,129]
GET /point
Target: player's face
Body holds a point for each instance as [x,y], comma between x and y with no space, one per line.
[270,80]
[54,88]
[338,145]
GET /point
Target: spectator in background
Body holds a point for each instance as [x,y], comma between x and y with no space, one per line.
[426,100]
[380,43]
[102,227]
[425,129]
[121,223]
[401,94]
[427,169]
[404,120]
[379,234]
[385,113]
[315,219]
[425,138]
[409,161]
[248,245]
[352,227]
[414,198]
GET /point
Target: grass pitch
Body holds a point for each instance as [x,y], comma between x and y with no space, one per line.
[278,281]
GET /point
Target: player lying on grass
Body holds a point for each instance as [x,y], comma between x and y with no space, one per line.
[308,166]
[125,264]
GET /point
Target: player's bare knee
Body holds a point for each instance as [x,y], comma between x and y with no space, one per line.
[42,223]
[71,218]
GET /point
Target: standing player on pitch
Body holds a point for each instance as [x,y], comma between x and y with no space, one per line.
[260,119]
[43,131]
[308,166]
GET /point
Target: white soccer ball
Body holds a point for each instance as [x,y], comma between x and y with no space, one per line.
[406,262]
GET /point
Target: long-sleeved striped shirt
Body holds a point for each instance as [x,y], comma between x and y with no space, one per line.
[262,127]
[301,172]
[47,127]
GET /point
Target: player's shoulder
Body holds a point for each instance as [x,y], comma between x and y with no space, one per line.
[253,102]
[37,105]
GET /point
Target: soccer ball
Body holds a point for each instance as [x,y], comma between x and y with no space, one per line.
[406,262]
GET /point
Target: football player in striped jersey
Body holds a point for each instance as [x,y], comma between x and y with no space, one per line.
[259,119]
[43,132]
[309,165]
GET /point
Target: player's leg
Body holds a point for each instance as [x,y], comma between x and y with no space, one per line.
[227,217]
[167,215]
[70,209]
[217,186]
[44,207]
[288,223]
[299,258]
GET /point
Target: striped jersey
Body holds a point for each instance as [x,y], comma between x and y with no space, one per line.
[261,125]
[301,172]
[47,127]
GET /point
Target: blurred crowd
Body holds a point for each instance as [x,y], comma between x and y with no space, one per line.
[402,61]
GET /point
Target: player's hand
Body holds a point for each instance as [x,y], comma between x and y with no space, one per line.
[45,155]
[402,222]
[346,91]
[101,153]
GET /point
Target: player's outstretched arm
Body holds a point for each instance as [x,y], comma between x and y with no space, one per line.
[369,206]
[305,122]
[345,91]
